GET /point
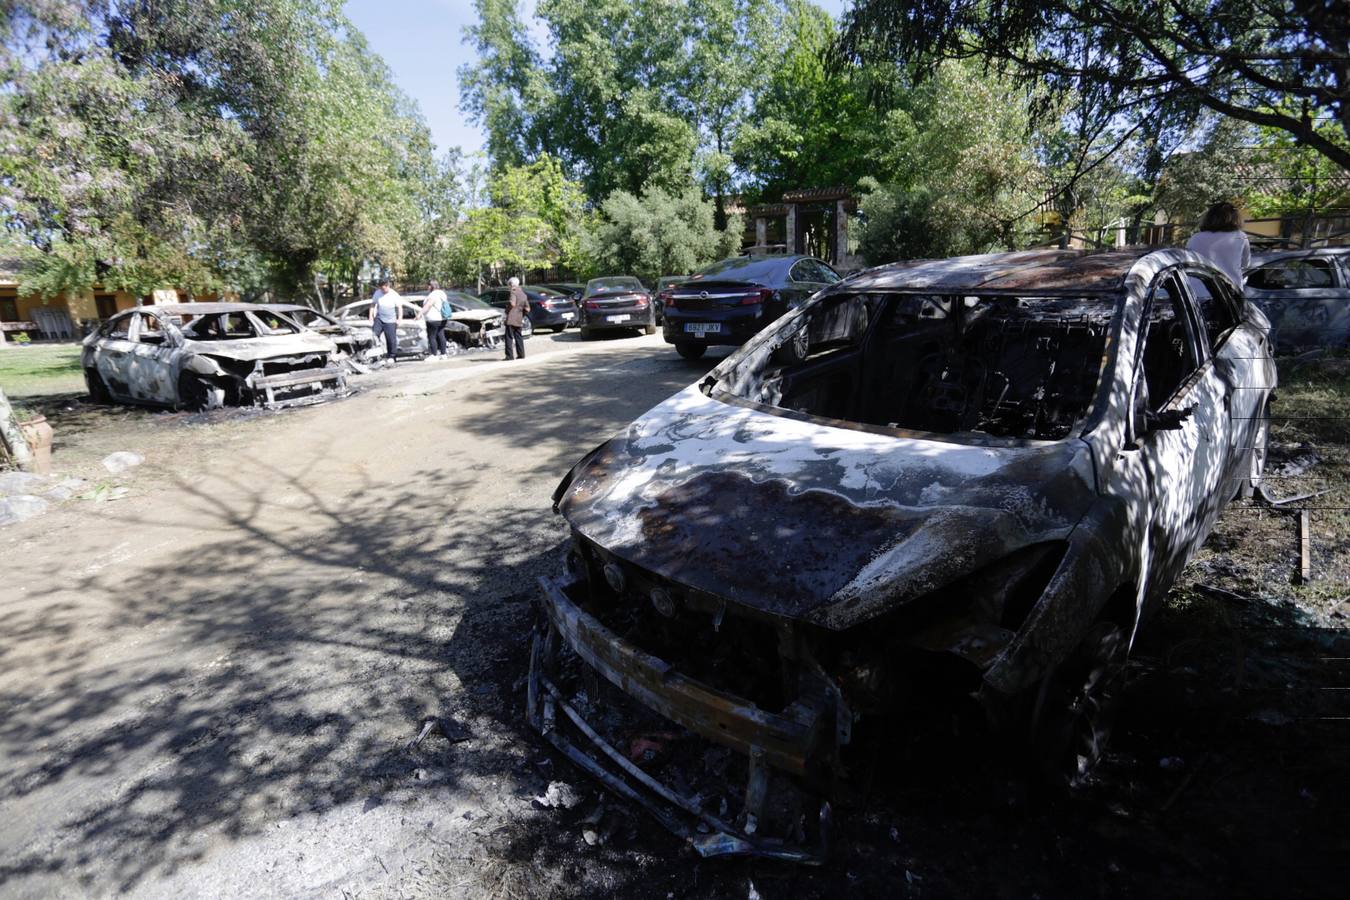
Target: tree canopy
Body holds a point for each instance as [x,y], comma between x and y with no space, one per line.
[1278,65]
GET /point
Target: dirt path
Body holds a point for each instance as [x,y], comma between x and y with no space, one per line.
[208,686]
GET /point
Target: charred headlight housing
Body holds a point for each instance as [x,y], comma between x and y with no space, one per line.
[948,635]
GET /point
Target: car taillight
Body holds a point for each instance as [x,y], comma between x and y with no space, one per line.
[642,301]
[760,296]
[667,299]
[591,304]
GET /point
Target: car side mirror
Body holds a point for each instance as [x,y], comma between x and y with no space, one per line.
[1167,419]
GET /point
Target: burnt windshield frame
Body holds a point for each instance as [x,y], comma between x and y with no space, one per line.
[782,332]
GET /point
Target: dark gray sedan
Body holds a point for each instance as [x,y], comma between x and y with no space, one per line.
[1306,296]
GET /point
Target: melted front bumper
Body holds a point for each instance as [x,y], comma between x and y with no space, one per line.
[801,741]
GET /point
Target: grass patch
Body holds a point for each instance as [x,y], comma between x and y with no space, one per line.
[37,370]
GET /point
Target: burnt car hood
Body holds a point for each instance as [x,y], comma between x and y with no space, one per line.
[251,349]
[808,521]
[477,316]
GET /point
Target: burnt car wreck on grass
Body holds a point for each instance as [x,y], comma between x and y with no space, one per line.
[203,356]
[957,484]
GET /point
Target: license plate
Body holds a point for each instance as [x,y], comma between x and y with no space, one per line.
[623,318]
[702,327]
[567,315]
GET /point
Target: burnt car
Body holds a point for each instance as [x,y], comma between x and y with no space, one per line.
[1306,296]
[731,300]
[616,302]
[411,327]
[485,323]
[958,485]
[207,355]
[548,308]
[348,341]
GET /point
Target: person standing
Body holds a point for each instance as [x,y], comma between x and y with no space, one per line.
[434,310]
[384,311]
[1221,241]
[516,308]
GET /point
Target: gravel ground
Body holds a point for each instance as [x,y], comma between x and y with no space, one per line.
[209,687]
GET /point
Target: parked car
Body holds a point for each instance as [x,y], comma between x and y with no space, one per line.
[548,309]
[948,485]
[730,301]
[664,283]
[618,301]
[206,355]
[572,290]
[412,329]
[349,343]
[1306,296]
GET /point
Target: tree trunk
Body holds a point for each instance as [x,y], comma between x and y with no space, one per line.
[12,437]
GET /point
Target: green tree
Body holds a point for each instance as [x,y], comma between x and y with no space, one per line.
[956,172]
[1275,65]
[659,233]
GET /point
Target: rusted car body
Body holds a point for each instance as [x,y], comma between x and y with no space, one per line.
[349,342]
[207,355]
[1306,296]
[967,479]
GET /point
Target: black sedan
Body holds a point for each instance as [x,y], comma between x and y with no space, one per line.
[730,301]
[619,301]
[572,290]
[548,309]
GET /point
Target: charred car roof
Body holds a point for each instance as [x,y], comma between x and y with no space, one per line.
[1041,271]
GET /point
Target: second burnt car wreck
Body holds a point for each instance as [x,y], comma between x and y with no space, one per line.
[203,356]
[962,482]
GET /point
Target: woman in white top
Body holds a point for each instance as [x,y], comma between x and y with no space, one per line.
[384,318]
[433,311]
[1221,241]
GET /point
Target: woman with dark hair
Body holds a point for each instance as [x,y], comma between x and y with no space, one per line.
[1221,241]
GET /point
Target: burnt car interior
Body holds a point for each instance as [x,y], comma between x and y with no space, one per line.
[1008,366]
[236,326]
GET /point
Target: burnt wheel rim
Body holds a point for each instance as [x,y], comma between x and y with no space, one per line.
[1078,707]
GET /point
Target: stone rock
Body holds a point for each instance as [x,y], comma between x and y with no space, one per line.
[121,461]
[21,507]
[22,483]
[65,489]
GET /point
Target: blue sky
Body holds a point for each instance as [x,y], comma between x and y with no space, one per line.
[422,41]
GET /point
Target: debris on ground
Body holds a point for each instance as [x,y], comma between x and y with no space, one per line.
[24,495]
[121,461]
[559,795]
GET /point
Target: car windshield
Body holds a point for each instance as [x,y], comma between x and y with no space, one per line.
[612,285]
[1009,366]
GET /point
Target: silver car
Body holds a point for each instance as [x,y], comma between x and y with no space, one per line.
[1306,296]
[207,355]
[953,485]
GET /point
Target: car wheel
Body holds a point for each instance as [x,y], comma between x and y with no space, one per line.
[585,333]
[650,327]
[1076,707]
[526,328]
[199,394]
[98,389]
[691,351]
[1256,457]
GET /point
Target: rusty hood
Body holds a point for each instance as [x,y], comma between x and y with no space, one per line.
[809,521]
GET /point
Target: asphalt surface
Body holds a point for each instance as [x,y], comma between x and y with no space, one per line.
[209,688]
